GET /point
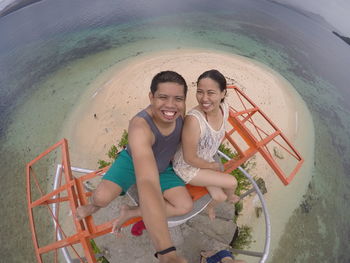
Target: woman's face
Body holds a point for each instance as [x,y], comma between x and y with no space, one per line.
[209,95]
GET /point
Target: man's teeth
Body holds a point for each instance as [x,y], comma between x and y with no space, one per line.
[169,113]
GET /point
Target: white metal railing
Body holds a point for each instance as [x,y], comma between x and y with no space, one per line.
[263,255]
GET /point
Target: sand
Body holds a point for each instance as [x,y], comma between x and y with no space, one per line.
[115,96]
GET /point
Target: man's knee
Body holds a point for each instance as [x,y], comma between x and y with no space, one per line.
[105,193]
[184,207]
[99,200]
[187,206]
[233,183]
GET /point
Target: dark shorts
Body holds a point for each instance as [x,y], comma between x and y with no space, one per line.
[122,173]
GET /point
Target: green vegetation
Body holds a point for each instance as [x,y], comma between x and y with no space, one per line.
[244,238]
[238,210]
[242,182]
[97,250]
[123,140]
[114,151]
[103,163]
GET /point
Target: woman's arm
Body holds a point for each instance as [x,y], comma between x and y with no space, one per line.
[190,139]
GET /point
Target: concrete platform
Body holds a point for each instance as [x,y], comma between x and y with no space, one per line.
[197,234]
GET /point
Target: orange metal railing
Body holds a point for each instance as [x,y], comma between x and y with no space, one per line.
[258,142]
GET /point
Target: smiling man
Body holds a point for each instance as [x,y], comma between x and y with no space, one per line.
[154,135]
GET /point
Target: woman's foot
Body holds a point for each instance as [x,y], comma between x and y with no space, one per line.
[233,199]
[211,212]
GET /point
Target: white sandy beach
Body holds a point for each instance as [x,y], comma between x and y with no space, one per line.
[120,93]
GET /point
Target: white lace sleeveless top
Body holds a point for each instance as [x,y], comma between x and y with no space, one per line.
[209,142]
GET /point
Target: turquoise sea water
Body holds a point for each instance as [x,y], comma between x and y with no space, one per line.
[46,65]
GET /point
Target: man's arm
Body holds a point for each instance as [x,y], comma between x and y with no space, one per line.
[147,179]
[190,138]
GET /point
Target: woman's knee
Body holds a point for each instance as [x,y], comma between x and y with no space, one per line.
[233,182]
[219,197]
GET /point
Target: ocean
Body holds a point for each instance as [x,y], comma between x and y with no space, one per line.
[51,51]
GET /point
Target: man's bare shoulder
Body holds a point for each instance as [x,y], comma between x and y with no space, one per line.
[139,130]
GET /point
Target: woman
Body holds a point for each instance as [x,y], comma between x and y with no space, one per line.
[203,131]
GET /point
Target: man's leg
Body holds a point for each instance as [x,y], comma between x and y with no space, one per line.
[105,193]
[177,199]
[177,202]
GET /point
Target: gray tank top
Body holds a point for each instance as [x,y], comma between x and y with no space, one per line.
[164,147]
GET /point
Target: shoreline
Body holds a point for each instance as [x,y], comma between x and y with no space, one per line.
[120,92]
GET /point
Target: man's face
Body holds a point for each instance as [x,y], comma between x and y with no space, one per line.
[168,102]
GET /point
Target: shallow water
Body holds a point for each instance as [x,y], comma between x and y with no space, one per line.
[46,65]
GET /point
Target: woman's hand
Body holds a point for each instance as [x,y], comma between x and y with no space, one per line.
[215,166]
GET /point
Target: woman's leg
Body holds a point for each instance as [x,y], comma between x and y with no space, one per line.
[227,182]
[218,196]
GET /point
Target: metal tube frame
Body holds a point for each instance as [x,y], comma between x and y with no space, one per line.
[263,255]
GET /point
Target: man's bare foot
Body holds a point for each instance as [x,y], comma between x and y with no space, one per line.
[86,210]
[126,213]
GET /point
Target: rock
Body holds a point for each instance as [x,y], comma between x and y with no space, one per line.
[278,153]
[219,229]
[258,211]
[262,186]
[225,211]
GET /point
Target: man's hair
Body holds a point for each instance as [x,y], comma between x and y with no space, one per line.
[168,76]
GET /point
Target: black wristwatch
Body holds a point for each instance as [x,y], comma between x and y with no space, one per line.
[165,251]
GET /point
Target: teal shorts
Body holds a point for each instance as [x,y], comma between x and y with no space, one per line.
[122,173]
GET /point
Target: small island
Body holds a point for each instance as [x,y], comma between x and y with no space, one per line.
[346,39]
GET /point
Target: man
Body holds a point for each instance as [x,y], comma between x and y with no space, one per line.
[153,135]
